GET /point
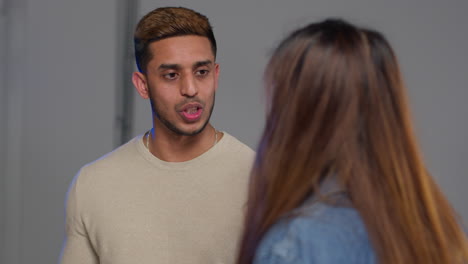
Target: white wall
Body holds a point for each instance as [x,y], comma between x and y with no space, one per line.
[11,127]
[57,108]
[3,40]
[430,39]
[61,100]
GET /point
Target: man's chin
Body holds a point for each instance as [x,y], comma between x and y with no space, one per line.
[190,132]
[187,131]
[194,131]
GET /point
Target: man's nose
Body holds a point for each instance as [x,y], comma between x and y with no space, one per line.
[189,86]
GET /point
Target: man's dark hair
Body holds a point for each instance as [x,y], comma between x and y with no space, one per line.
[168,22]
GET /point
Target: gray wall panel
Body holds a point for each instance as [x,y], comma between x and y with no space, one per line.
[429,37]
[61,102]
[58,103]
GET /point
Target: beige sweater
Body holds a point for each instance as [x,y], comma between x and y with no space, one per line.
[130,207]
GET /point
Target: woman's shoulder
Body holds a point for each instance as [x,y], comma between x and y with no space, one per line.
[317,233]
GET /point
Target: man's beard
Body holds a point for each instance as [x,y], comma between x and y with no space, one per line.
[173,127]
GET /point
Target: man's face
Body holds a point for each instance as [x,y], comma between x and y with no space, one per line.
[182,78]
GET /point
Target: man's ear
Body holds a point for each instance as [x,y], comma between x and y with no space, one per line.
[139,81]
[216,75]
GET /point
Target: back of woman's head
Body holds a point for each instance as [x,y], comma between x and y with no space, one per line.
[337,106]
[318,87]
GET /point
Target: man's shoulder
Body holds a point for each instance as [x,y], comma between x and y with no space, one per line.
[233,148]
[234,145]
[112,162]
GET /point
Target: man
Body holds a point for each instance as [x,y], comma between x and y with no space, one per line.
[176,193]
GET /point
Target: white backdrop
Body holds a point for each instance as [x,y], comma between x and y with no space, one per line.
[59,77]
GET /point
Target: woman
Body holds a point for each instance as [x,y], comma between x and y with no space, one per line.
[338,176]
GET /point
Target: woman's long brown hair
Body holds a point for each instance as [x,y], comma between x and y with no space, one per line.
[337,105]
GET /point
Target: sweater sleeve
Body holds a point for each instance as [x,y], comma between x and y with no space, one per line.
[77,247]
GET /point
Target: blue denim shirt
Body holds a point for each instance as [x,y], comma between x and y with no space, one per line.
[320,234]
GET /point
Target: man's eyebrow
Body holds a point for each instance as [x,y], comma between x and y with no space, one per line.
[202,63]
[169,67]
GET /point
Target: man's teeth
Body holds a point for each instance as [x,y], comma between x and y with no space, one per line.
[192,110]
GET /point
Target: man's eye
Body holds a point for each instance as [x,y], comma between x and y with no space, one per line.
[202,72]
[170,76]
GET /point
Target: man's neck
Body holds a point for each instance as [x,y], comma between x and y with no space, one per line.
[168,146]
